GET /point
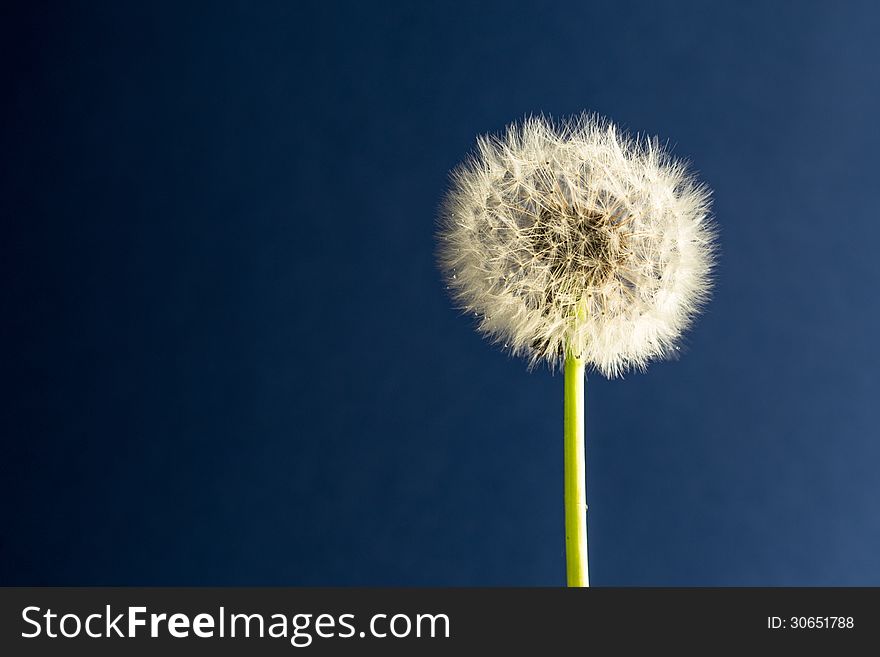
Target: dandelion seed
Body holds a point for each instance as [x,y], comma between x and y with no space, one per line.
[548,216]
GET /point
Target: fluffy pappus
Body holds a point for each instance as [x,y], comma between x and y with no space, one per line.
[575,238]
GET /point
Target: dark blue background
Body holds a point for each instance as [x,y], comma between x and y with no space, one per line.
[228,357]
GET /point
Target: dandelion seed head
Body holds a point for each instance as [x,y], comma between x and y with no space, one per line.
[576,238]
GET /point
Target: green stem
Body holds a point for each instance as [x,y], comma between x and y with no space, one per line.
[575,475]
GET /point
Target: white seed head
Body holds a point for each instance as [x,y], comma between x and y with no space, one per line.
[576,239]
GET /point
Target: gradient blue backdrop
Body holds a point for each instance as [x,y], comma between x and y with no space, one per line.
[228,357]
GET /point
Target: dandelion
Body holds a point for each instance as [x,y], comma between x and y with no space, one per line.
[577,245]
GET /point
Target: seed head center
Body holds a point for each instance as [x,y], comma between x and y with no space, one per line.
[576,243]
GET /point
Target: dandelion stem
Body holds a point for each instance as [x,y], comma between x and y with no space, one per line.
[575,475]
